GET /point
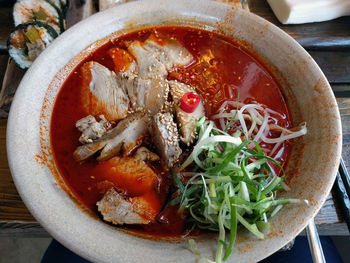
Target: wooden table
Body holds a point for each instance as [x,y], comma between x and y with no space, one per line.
[327,42]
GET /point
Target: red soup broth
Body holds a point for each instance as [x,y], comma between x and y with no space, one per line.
[222,70]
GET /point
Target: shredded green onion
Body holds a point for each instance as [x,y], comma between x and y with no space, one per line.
[233,184]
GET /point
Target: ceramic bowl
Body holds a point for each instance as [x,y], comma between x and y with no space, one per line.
[312,168]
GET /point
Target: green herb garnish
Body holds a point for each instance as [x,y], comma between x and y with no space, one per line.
[233,184]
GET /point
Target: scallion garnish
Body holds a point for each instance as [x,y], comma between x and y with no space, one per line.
[233,184]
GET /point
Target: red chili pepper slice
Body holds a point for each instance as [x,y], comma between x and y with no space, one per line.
[189,102]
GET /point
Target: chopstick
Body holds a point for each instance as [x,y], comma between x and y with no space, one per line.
[314,243]
[345,175]
[342,192]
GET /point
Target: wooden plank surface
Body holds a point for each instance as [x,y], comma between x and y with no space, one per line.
[11,206]
[22,229]
[12,78]
[334,64]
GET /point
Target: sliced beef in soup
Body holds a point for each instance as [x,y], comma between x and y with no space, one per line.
[91,129]
[186,121]
[155,59]
[131,130]
[102,92]
[166,138]
[149,92]
[146,155]
[149,95]
[124,63]
[125,136]
[117,209]
[136,200]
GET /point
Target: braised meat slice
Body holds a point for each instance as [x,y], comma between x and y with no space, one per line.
[147,92]
[144,154]
[125,136]
[166,138]
[149,95]
[149,63]
[186,121]
[176,54]
[120,210]
[103,92]
[134,128]
[155,59]
[87,150]
[91,129]
[124,63]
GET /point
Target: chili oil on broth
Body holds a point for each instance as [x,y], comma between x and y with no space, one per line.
[221,70]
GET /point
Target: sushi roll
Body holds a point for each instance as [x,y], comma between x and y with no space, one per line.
[56,3]
[38,10]
[61,9]
[28,40]
[60,5]
[64,7]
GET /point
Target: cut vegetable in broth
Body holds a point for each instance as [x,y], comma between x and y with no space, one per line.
[175,131]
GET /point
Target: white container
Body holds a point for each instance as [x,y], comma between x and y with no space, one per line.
[307,11]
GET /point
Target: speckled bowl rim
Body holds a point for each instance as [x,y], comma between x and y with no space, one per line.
[52,207]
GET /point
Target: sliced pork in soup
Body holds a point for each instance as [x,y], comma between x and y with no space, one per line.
[166,138]
[101,92]
[149,95]
[124,63]
[91,129]
[144,154]
[120,210]
[155,57]
[186,120]
[144,77]
[124,137]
